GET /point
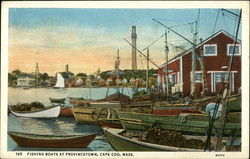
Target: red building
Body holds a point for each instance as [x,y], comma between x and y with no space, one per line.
[215,53]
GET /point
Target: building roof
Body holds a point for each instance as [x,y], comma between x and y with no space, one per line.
[198,45]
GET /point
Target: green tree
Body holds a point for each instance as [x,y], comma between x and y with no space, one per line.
[17,72]
[44,76]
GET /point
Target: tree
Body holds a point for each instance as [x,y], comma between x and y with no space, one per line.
[81,74]
[44,77]
[17,72]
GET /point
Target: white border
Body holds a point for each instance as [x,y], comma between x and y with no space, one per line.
[134,4]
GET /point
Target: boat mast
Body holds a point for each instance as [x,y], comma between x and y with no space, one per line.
[147,77]
[37,74]
[226,92]
[166,67]
[117,64]
[193,53]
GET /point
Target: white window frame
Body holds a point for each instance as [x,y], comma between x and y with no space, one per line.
[228,45]
[215,45]
[196,72]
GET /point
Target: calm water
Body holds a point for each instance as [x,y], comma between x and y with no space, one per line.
[58,125]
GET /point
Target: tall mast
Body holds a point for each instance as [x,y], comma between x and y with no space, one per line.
[166,66]
[193,62]
[117,64]
[37,74]
[193,52]
[147,77]
[226,93]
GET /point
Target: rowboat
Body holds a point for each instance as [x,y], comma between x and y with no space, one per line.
[133,143]
[57,100]
[47,112]
[66,111]
[52,141]
[91,112]
[110,123]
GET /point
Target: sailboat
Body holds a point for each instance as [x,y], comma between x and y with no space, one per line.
[59,82]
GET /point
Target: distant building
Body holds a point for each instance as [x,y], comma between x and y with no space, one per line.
[88,82]
[132,81]
[101,82]
[109,81]
[26,81]
[124,81]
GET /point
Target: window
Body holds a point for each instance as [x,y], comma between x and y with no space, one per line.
[230,49]
[210,50]
[221,77]
[198,77]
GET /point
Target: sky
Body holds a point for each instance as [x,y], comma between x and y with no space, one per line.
[88,39]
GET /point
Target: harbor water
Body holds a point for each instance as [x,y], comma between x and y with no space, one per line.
[60,125]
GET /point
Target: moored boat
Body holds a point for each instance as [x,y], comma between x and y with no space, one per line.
[52,141]
[185,122]
[91,112]
[47,112]
[120,140]
[66,111]
[110,123]
[121,143]
[57,100]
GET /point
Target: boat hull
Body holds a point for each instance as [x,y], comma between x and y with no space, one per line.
[110,124]
[55,100]
[33,140]
[66,112]
[186,123]
[121,143]
[84,115]
[49,112]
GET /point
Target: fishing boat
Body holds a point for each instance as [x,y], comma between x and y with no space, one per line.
[110,123]
[66,111]
[116,97]
[47,112]
[57,100]
[52,141]
[77,100]
[91,112]
[59,82]
[187,123]
[132,142]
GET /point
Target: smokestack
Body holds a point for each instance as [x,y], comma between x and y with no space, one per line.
[133,37]
[67,68]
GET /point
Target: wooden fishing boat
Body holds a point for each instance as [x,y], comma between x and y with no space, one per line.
[110,123]
[121,142]
[77,101]
[47,112]
[116,97]
[57,100]
[91,112]
[52,141]
[66,111]
[185,122]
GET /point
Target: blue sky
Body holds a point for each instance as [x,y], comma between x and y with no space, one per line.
[93,32]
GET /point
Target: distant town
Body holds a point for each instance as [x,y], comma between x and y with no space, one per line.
[128,78]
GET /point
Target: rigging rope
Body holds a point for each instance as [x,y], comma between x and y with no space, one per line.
[216,21]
